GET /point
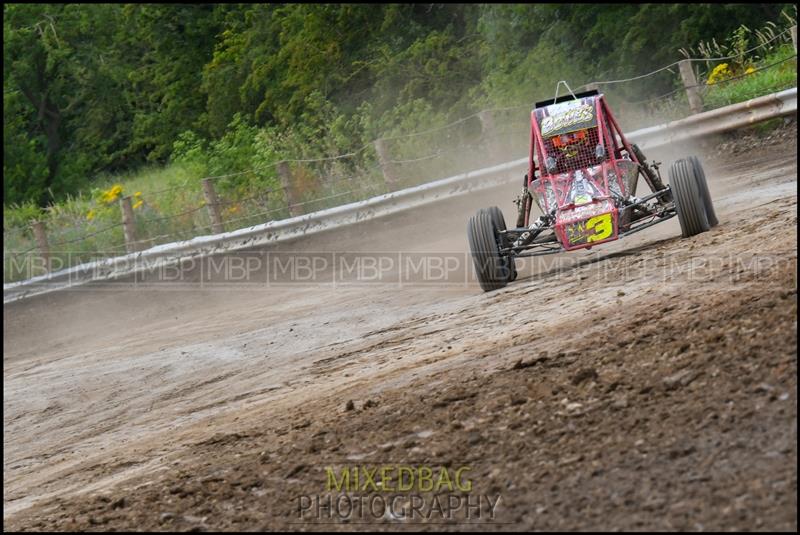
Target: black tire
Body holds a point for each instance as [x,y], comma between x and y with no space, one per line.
[685,186]
[489,266]
[704,193]
[500,222]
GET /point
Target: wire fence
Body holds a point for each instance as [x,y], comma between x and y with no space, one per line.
[291,187]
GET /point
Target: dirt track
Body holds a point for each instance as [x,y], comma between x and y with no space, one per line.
[654,385]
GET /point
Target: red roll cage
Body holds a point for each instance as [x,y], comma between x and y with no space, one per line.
[603,131]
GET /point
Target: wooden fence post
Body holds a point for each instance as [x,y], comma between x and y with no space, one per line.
[794,37]
[41,240]
[128,224]
[212,202]
[286,182]
[385,161]
[690,83]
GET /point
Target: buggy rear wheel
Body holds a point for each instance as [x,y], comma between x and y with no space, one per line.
[706,195]
[483,243]
[685,185]
[500,222]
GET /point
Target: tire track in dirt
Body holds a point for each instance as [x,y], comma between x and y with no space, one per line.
[380,347]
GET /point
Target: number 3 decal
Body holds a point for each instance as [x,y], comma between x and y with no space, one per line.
[602,227]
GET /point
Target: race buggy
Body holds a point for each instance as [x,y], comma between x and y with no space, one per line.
[583,173]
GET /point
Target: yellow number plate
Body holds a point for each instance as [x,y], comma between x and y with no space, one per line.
[602,227]
[596,228]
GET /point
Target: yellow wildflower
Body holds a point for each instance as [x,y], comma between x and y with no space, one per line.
[750,70]
[112,194]
[720,72]
[90,215]
[137,194]
[138,204]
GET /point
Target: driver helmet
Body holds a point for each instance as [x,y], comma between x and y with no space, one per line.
[566,143]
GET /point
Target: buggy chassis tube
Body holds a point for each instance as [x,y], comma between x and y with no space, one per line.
[663,216]
[646,198]
[533,230]
[516,250]
[530,254]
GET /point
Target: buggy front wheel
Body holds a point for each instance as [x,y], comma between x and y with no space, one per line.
[685,184]
[499,222]
[483,243]
[704,193]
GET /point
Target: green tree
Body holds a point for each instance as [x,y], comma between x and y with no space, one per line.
[106,88]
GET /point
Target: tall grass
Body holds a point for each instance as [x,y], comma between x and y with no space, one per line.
[771,80]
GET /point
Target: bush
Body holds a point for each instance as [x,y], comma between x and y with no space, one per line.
[722,90]
[21,215]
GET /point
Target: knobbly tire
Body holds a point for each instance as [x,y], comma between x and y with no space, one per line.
[688,197]
[500,222]
[489,267]
[701,180]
